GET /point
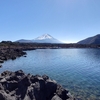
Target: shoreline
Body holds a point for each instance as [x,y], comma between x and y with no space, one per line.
[6,54]
[12,50]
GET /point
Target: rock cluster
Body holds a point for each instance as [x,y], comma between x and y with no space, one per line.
[6,54]
[20,86]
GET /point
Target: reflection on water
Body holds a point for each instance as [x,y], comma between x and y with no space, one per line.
[76,69]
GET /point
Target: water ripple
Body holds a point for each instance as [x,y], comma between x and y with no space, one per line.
[76,69]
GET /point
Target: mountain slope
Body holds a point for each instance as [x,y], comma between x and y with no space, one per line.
[46,38]
[91,40]
[24,41]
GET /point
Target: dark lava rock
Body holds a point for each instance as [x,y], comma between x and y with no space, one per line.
[20,86]
[9,53]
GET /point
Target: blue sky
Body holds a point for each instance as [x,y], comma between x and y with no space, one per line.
[66,20]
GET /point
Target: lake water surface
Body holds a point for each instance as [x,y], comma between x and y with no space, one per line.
[78,70]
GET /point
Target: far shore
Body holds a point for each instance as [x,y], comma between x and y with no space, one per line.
[12,50]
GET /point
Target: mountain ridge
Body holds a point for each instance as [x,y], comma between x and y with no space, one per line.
[46,38]
[91,40]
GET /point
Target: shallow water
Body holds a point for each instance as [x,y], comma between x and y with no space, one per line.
[78,70]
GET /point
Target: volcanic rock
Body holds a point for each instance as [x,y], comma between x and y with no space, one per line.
[20,86]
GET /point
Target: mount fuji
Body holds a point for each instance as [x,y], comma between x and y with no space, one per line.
[46,38]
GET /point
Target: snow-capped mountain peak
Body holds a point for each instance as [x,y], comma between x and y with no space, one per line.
[45,36]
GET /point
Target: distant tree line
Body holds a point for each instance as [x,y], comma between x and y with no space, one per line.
[25,46]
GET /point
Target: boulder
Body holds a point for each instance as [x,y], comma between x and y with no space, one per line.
[20,86]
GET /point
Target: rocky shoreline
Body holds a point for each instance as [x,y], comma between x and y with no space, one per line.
[6,54]
[12,50]
[20,86]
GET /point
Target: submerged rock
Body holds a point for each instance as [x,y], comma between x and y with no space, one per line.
[0,66]
[20,86]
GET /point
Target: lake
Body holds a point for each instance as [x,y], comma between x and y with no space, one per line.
[78,70]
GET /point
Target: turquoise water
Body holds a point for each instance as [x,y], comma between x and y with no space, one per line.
[78,70]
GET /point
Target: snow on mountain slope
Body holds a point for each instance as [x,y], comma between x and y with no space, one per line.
[46,38]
